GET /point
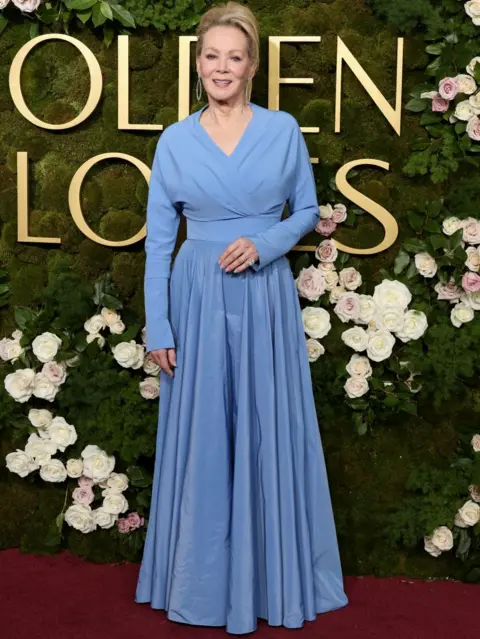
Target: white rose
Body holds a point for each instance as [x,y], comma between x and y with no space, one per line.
[475,102]
[473,10]
[117,482]
[350,278]
[339,213]
[20,384]
[53,471]
[468,514]
[466,84]
[17,335]
[414,326]
[4,348]
[471,231]
[448,291]
[331,278]
[471,65]
[348,307]
[27,6]
[314,350]
[81,518]
[442,538]
[143,335]
[336,293]
[20,463]
[96,463]
[461,314]
[10,349]
[40,418]
[55,372]
[356,386]
[75,468]
[326,211]
[380,345]
[429,95]
[316,322]
[451,225]
[356,338]
[390,319]
[129,354]
[425,264]
[45,346]
[150,367]
[392,293]
[471,299]
[61,433]
[73,361]
[431,548]
[109,316]
[40,449]
[476,443]
[149,388]
[117,328]
[368,309]
[359,366]
[91,337]
[95,324]
[473,258]
[103,519]
[464,110]
[43,388]
[114,503]
[310,283]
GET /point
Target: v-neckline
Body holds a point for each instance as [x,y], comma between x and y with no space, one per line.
[212,141]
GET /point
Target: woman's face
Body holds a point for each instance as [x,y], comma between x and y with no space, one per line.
[224,64]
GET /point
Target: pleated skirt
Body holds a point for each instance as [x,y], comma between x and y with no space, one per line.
[241,524]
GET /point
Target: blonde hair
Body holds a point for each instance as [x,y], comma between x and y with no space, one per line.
[232,14]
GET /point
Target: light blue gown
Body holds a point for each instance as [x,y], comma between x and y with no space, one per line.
[241,523]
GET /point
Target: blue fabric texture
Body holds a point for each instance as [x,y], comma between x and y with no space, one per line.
[241,524]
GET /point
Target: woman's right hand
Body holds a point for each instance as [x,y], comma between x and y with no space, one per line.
[165,358]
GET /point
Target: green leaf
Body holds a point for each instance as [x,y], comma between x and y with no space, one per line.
[98,19]
[460,127]
[409,407]
[465,142]
[111,302]
[430,118]
[108,35]
[434,208]
[476,72]
[414,245]
[80,5]
[23,316]
[3,23]
[391,401]
[123,16]
[416,105]
[85,16]
[416,220]
[438,241]
[432,226]
[401,262]
[59,520]
[106,9]
[435,49]
[34,30]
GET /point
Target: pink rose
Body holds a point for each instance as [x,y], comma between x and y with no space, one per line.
[439,105]
[326,227]
[85,482]
[134,520]
[473,128]
[83,495]
[448,88]
[310,283]
[339,214]
[474,493]
[471,231]
[348,307]
[471,282]
[27,6]
[450,291]
[326,251]
[123,525]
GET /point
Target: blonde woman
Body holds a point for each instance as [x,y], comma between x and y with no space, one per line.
[241,524]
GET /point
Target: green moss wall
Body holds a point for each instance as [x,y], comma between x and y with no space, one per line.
[367,475]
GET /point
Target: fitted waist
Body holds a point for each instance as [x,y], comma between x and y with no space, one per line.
[228,230]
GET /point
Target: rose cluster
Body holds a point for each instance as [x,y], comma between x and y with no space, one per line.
[463,84]
[472,9]
[466,517]
[383,316]
[466,298]
[25,382]
[330,217]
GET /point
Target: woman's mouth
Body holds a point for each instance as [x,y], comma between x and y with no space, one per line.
[222,83]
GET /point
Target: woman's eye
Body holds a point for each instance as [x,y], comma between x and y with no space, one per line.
[210,56]
[236,58]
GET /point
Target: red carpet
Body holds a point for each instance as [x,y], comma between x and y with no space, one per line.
[65,597]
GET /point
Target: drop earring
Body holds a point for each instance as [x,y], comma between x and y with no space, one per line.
[199,87]
[248,89]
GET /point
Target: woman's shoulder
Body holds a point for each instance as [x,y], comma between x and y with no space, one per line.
[278,118]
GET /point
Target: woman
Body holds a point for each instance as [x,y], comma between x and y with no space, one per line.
[241,524]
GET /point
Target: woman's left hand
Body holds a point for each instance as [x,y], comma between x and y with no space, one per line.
[237,255]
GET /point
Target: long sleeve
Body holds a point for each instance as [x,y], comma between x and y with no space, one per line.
[162,227]
[302,204]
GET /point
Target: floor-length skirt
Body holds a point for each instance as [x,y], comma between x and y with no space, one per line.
[241,524]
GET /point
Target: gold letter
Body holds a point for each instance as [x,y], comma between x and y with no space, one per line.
[22,201]
[184,75]
[95,82]
[74,198]
[274,79]
[392,115]
[385,218]
[123,95]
